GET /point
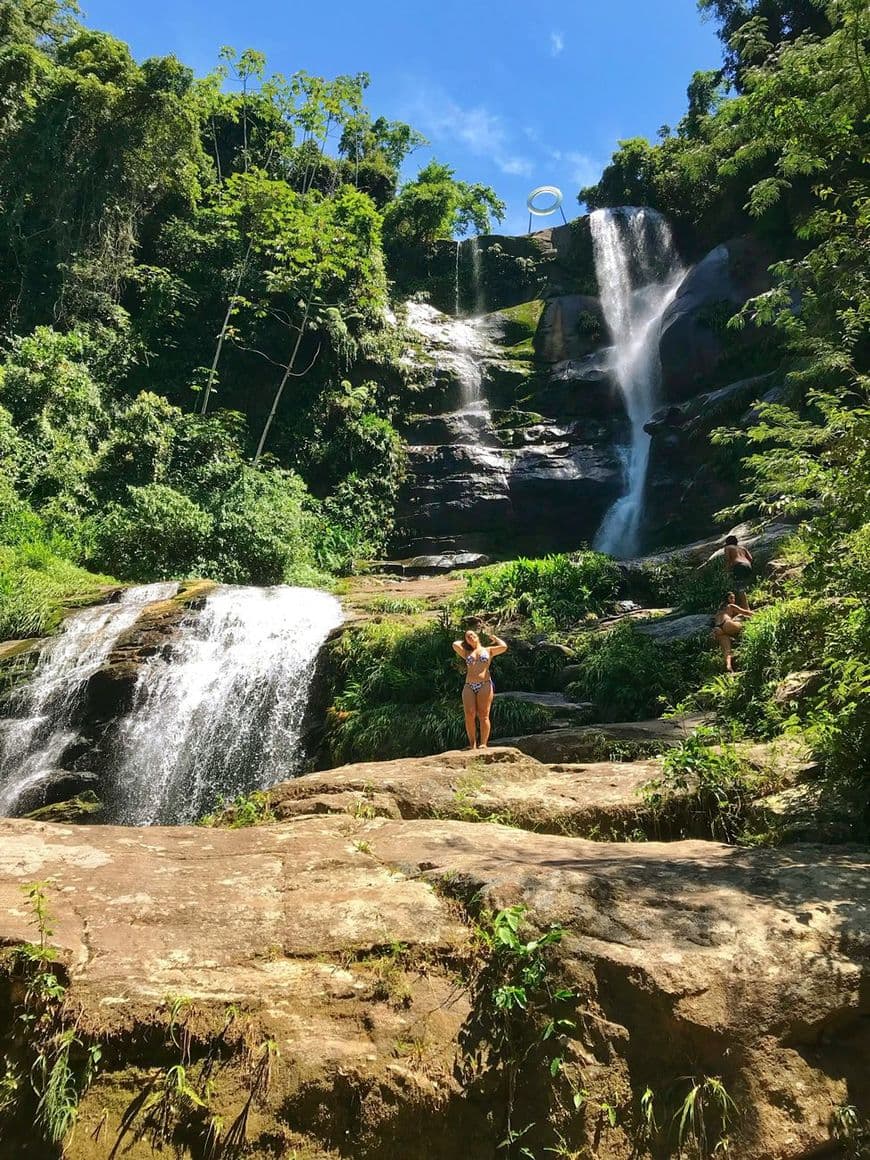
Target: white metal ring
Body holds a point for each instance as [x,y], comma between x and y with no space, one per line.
[553,191]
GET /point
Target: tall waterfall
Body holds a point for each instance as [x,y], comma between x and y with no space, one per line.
[226,715]
[33,741]
[638,275]
[461,344]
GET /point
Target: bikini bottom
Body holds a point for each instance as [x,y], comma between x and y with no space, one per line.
[476,686]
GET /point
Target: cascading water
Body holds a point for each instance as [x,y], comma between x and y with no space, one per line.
[477,276]
[32,741]
[638,275]
[456,301]
[226,714]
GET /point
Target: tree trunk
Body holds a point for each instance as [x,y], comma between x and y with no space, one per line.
[212,374]
[288,370]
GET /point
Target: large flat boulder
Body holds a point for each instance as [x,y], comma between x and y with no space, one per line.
[342,952]
[499,783]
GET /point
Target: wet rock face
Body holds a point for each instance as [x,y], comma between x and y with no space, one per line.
[694,344]
[689,479]
[481,478]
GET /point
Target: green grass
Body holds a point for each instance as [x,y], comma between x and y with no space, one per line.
[36,585]
[549,593]
[629,676]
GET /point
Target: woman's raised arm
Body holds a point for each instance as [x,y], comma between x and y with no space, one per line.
[459,649]
[496,646]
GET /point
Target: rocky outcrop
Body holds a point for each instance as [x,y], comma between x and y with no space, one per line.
[697,352]
[341,950]
[500,784]
[689,479]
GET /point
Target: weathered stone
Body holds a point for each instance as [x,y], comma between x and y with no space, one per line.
[55,785]
[571,327]
[693,342]
[84,807]
[687,958]
[814,811]
[667,629]
[592,742]
[796,687]
[499,783]
[549,701]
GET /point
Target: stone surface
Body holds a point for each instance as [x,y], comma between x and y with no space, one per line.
[500,783]
[684,959]
[667,629]
[590,742]
[694,346]
[687,480]
[548,700]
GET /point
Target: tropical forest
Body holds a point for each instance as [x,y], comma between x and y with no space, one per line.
[434,654]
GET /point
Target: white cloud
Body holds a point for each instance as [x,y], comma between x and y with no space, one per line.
[580,167]
[483,133]
[557,44]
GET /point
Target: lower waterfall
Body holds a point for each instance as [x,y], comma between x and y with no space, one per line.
[226,714]
[638,276]
[34,737]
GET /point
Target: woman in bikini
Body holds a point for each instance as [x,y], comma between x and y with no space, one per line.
[478,691]
[727,626]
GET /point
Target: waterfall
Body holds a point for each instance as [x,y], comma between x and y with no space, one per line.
[477,276]
[226,714]
[638,275]
[33,741]
[456,303]
[459,344]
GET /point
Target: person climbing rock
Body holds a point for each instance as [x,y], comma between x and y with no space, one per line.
[478,691]
[738,561]
[727,626]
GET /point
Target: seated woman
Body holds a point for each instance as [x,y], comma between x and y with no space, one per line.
[478,691]
[727,626]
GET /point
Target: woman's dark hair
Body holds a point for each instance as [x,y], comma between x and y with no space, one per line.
[731,540]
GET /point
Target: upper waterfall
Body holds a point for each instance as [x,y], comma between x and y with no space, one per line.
[226,714]
[638,274]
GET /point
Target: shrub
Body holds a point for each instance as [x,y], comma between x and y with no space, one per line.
[262,531]
[629,676]
[401,730]
[555,591]
[158,533]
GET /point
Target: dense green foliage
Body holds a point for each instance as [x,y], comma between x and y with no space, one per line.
[552,592]
[397,688]
[785,159]
[196,371]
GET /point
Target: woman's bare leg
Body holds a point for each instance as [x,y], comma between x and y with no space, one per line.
[484,704]
[469,705]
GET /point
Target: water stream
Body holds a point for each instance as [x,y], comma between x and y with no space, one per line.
[226,715]
[41,727]
[638,275]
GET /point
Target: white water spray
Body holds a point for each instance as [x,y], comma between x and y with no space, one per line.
[33,741]
[638,274]
[226,714]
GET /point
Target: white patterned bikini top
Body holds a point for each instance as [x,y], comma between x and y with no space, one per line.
[483,655]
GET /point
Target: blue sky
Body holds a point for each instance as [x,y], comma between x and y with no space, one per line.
[511,94]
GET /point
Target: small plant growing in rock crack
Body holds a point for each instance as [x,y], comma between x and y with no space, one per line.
[47,1059]
[251,809]
[173,1100]
[522,1008]
[851,1131]
[704,1117]
[714,778]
